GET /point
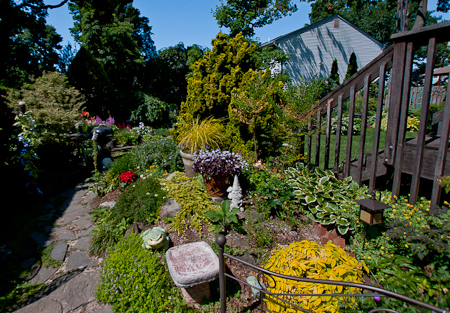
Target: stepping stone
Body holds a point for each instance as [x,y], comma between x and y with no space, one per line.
[59,251]
[63,234]
[67,218]
[192,266]
[106,309]
[79,259]
[42,305]
[82,243]
[87,232]
[43,275]
[77,291]
[83,222]
[41,239]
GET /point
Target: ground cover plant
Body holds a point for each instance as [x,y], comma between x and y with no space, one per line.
[137,280]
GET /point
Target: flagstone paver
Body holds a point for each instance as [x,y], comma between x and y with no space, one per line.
[71,287]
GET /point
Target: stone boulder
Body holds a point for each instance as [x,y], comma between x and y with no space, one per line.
[170,208]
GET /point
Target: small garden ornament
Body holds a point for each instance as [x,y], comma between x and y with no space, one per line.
[155,238]
[235,194]
[257,286]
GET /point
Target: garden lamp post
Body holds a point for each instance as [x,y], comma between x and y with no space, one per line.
[371,212]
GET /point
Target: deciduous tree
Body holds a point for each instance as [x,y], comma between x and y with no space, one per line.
[244,16]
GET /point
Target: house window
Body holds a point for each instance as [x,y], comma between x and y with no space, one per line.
[336,23]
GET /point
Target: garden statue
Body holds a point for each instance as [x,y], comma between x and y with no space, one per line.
[257,286]
[155,238]
[235,194]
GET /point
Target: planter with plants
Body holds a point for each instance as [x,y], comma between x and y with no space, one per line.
[197,134]
[217,168]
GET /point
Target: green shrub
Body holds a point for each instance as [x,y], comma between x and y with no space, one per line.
[271,194]
[157,151]
[140,202]
[193,199]
[134,279]
[55,107]
[153,112]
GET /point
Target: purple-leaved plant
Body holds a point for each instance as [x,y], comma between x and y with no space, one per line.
[218,163]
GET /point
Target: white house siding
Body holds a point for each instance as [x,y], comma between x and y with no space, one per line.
[312,49]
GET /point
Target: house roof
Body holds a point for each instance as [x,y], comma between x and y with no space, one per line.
[317,24]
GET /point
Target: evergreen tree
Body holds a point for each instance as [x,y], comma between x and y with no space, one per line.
[352,66]
[334,74]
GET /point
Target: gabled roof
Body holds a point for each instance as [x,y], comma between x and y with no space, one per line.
[317,24]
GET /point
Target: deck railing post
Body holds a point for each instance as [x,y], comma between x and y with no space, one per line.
[220,241]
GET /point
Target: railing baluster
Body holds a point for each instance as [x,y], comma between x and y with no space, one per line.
[328,135]
[442,153]
[395,93]
[351,115]
[362,138]
[403,118]
[376,137]
[338,134]
[308,145]
[319,122]
[423,120]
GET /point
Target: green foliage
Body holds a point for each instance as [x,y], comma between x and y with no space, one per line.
[29,45]
[140,202]
[271,194]
[308,259]
[86,73]
[193,199]
[223,218]
[158,151]
[125,136]
[194,135]
[444,182]
[329,200]
[409,253]
[244,16]
[110,180]
[55,107]
[134,279]
[401,274]
[216,75]
[153,112]
[255,105]
[352,66]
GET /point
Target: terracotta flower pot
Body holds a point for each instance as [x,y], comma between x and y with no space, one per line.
[188,161]
[217,186]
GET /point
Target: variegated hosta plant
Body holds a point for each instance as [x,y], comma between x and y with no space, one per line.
[329,200]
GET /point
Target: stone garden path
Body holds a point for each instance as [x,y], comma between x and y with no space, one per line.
[71,287]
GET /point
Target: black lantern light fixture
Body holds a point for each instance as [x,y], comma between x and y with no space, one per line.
[371,210]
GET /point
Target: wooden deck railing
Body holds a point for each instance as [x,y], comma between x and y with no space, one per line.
[392,70]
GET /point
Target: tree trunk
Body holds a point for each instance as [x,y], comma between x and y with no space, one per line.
[421,14]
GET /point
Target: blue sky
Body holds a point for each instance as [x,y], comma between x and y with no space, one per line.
[190,22]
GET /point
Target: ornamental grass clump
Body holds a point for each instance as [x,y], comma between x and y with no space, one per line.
[307,259]
[218,163]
